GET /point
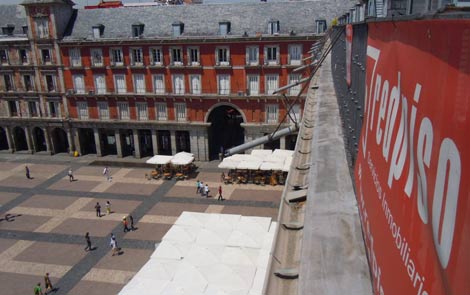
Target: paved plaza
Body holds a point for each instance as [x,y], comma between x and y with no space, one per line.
[49,216]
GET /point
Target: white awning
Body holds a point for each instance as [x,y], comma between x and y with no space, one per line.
[254,164]
[228,163]
[183,155]
[271,166]
[182,160]
[287,164]
[282,153]
[262,154]
[159,160]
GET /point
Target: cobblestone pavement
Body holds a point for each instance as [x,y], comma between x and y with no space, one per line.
[49,216]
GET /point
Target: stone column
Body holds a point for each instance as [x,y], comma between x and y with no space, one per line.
[11,145]
[135,132]
[70,141]
[117,136]
[76,139]
[48,141]
[173,142]
[154,142]
[28,140]
[96,133]
[282,143]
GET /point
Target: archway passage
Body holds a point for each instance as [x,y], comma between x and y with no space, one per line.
[19,137]
[3,139]
[145,143]
[225,130]
[87,141]
[59,141]
[39,139]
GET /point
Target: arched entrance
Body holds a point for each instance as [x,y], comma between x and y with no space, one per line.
[59,141]
[3,139]
[225,130]
[39,139]
[87,141]
[19,137]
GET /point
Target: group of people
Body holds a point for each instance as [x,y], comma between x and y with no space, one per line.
[47,285]
[98,208]
[203,190]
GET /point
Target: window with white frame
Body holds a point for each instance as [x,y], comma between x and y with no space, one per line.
[33,107]
[82,107]
[75,57]
[222,56]
[100,84]
[159,84]
[120,83]
[293,78]
[272,83]
[116,57]
[123,109]
[156,56]
[252,55]
[42,27]
[50,83]
[4,57]
[96,57]
[96,32]
[161,110]
[272,113]
[178,29]
[54,109]
[178,84]
[271,55]
[23,55]
[46,56]
[294,113]
[137,58]
[78,84]
[295,54]
[180,111]
[103,110]
[176,56]
[195,84]
[273,27]
[253,85]
[13,107]
[8,82]
[142,111]
[223,83]
[193,56]
[28,82]
[224,28]
[139,83]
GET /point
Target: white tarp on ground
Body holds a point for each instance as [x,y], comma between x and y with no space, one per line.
[159,160]
[208,253]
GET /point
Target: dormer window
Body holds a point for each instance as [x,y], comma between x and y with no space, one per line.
[25,30]
[273,27]
[98,31]
[8,30]
[178,29]
[224,28]
[137,30]
[321,26]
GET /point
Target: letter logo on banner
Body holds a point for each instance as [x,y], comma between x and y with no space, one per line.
[413,168]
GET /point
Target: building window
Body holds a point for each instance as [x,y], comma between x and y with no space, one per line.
[193,56]
[123,108]
[294,113]
[139,83]
[137,58]
[8,82]
[103,110]
[142,112]
[28,83]
[96,57]
[295,54]
[98,31]
[178,29]
[271,55]
[253,85]
[272,111]
[78,84]
[13,108]
[293,78]
[223,84]
[54,109]
[46,56]
[82,107]
[180,111]
[24,56]
[224,28]
[178,84]
[42,27]
[137,30]
[273,27]
[321,26]
[100,84]
[159,84]
[120,83]
[50,83]
[156,56]
[25,30]
[116,57]
[161,111]
[4,57]
[8,30]
[176,57]
[75,57]
[182,141]
[33,108]
[271,83]
[252,55]
[195,84]
[222,56]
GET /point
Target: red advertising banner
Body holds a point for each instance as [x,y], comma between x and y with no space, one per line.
[413,166]
[349,39]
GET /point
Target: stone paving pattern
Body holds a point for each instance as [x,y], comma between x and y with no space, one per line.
[49,215]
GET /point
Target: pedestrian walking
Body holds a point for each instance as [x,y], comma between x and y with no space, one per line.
[114,245]
[70,174]
[201,189]
[98,209]
[108,207]
[125,224]
[88,242]
[198,186]
[28,175]
[38,289]
[220,198]
[206,191]
[131,219]
[107,173]
[47,284]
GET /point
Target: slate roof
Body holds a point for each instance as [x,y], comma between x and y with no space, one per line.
[48,2]
[203,20]
[13,15]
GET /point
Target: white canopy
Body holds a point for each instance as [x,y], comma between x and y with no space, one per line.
[282,153]
[262,154]
[252,164]
[228,163]
[182,160]
[271,166]
[183,155]
[287,164]
[159,160]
